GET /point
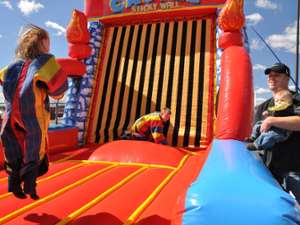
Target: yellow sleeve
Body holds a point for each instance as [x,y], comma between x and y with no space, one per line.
[2,72]
[52,75]
[48,70]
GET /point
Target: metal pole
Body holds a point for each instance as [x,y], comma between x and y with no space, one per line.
[297,47]
[263,40]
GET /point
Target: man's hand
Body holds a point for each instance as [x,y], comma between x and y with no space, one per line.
[266,124]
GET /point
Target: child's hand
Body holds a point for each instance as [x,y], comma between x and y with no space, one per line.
[265,114]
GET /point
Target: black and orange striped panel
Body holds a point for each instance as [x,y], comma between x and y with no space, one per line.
[146,67]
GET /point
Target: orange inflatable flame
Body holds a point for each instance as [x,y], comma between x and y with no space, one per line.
[77,31]
[232,16]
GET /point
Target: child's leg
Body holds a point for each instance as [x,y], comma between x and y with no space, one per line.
[14,180]
[139,137]
[13,171]
[30,168]
[29,179]
[14,186]
[256,130]
[12,140]
[268,139]
[14,183]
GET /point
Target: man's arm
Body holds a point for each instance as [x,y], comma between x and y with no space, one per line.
[291,123]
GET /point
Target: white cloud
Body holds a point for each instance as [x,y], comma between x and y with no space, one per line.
[285,41]
[29,6]
[292,87]
[255,44]
[7,4]
[60,30]
[254,18]
[261,95]
[266,4]
[1,35]
[259,67]
[259,91]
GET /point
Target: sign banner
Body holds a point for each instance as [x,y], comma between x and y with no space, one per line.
[99,8]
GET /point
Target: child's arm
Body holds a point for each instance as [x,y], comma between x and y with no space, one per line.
[52,75]
[265,114]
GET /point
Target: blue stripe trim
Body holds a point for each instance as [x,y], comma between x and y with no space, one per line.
[235,188]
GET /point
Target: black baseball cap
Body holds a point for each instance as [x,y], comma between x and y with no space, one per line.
[278,68]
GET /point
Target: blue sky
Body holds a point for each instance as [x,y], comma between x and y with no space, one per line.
[275,20]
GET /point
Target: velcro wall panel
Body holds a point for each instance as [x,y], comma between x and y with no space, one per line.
[146,67]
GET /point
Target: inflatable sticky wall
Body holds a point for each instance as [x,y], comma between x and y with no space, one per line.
[138,57]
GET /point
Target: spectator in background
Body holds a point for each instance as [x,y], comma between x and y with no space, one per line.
[283,159]
[283,107]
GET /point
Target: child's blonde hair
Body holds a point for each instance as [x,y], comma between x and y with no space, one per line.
[30,42]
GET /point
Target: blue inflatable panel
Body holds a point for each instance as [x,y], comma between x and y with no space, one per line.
[235,188]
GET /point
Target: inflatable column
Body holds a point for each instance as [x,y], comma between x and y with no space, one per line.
[84,45]
[235,104]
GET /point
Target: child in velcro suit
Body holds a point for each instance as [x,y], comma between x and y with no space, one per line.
[27,84]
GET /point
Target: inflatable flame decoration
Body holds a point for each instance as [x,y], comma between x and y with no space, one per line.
[232,17]
[77,31]
[78,36]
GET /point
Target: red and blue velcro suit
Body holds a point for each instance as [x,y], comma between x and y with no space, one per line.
[26,87]
[151,127]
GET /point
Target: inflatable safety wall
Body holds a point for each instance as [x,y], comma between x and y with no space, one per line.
[153,55]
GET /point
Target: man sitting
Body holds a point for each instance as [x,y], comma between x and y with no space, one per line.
[283,159]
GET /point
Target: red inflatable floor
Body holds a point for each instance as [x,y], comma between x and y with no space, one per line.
[122,182]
